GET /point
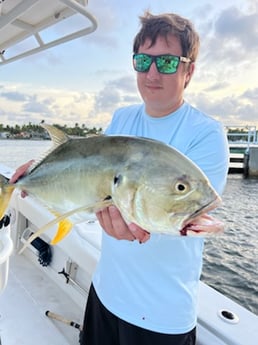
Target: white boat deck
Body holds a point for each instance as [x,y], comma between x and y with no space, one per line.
[30,292]
[28,295]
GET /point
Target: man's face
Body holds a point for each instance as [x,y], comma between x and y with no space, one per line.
[163,93]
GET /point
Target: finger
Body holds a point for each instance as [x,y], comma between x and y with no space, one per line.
[99,217]
[20,171]
[105,220]
[145,237]
[140,234]
[112,222]
[119,226]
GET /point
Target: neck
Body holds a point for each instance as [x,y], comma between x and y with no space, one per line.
[161,112]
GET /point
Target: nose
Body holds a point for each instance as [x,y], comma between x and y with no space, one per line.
[153,73]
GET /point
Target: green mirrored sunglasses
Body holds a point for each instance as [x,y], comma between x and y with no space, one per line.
[165,63]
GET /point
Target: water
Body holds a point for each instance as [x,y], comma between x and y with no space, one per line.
[230,260]
[14,153]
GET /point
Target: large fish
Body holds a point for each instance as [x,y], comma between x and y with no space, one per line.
[152,184]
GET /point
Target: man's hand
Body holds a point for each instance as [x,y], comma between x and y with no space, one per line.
[20,172]
[112,222]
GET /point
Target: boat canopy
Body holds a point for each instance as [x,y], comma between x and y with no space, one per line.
[30,26]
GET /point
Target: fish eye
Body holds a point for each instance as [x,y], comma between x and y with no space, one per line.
[181,187]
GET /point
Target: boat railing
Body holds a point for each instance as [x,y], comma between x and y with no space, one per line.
[21,20]
[244,136]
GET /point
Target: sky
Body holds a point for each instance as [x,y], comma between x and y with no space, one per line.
[85,80]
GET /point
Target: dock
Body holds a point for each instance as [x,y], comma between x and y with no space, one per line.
[244,160]
[243,145]
[236,163]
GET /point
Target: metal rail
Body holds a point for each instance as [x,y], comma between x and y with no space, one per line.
[248,135]
[14,21]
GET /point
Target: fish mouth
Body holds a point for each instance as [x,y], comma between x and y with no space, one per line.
[204,209]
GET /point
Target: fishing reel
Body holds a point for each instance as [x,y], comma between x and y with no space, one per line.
[44,251]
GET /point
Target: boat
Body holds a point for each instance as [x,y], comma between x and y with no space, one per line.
[43,291]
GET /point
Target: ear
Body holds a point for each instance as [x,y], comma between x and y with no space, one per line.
[189,74]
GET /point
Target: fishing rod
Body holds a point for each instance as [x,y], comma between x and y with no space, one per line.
[60,318]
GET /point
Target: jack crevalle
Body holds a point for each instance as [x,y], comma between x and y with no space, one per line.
[152,184]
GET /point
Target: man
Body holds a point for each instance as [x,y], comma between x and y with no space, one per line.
[145,287]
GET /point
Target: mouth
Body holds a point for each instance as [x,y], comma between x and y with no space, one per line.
[153,87]
[208,207]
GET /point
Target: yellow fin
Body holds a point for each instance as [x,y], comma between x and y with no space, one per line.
[6,191]
[64,228]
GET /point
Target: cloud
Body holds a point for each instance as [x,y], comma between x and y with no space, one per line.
[231,36]
[230,109]
[13,96]
[251,95]
[40,107]
[242,28]
[116,93]
[108,25]
[217,86]
[224,85]
[248,106]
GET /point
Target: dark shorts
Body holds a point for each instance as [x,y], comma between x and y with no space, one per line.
[101,327]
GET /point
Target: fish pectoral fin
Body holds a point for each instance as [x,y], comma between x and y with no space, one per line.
[64,228]
[62,218]
[59,219]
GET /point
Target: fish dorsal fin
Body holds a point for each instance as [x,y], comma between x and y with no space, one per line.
[58,138]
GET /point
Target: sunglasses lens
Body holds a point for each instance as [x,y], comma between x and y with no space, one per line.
[167,64]
[142,62]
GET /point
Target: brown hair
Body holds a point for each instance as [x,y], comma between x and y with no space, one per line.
[163,25]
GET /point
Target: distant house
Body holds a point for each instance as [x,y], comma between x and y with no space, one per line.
[4,135]
[22,135]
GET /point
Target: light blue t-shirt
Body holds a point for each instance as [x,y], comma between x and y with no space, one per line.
[155,285]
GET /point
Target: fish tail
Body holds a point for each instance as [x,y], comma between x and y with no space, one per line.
[6,191]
